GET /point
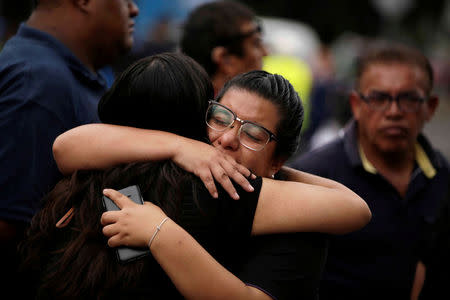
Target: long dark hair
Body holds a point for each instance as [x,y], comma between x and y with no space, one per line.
[166,92]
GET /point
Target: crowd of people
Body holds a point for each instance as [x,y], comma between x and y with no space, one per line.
[232,209]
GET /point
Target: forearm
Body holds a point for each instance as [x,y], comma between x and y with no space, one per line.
[98,146]
[286,206]
[195,273]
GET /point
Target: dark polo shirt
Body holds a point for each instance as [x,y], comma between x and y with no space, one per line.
[44,91]
[378,261]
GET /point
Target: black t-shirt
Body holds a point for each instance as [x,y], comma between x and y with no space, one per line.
[285,266]
[220,225]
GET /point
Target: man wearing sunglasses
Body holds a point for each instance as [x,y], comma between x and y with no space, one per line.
[225,38]
[384,158]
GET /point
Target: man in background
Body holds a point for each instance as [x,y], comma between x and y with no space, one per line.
[49,83]
[383,156]
[225,38]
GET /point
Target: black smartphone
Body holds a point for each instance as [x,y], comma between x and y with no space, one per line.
[127,254]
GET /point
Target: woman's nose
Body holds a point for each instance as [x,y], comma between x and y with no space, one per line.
[230,137]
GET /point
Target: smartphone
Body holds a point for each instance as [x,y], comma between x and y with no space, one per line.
[127,254]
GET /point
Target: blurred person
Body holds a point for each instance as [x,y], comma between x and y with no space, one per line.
[225,38]
[180,108]
[383,156]
[49,83]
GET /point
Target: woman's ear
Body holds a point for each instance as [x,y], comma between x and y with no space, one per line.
[277,163]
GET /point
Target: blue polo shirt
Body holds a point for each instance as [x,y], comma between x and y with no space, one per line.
[44,91]
[378,261]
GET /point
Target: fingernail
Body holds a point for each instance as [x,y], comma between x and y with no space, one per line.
[236,196]
[250,188]
[253,176]
[215,195]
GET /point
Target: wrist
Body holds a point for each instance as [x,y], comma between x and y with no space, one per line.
[158,228]
[178,144]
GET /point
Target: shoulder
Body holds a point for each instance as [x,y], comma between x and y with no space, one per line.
[34,77]
[323,157]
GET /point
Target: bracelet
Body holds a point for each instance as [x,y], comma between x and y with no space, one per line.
[158,228]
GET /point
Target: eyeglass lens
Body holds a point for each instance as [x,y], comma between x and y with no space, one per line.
[406,101]
[250,135]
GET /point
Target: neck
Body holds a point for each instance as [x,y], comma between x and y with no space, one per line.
[58,23]
[396,167]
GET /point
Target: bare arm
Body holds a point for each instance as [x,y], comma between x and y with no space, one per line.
[185,261]
[325,206]
[98,146]
[419,280]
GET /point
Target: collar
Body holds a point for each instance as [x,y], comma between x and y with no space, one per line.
[62,50]
[425,157]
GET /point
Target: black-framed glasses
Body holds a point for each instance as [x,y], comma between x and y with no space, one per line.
[407,102]
[251,135]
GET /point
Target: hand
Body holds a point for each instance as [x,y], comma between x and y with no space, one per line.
[133,225]
[209,163]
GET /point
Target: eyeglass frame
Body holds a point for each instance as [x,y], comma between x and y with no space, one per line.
[243,35]
[391,99]
[272,136]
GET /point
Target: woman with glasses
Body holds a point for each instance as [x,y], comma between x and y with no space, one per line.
[170,98]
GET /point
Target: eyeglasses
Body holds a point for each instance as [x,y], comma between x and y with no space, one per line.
[251,135]
[242,35]
[407,102]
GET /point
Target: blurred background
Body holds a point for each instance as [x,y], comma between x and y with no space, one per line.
[318,41]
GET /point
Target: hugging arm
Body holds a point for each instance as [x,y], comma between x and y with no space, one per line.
[315,205]
[99,146]
[184,260]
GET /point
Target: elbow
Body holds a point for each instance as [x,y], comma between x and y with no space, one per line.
[58,149]
[365,215]
[358,217]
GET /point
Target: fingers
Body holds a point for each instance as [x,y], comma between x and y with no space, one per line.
[109,217]
[207,179]
[221,175]
[240,168]
[115,241]
[223,169]
[110,230]
[119,199]
[240,177]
